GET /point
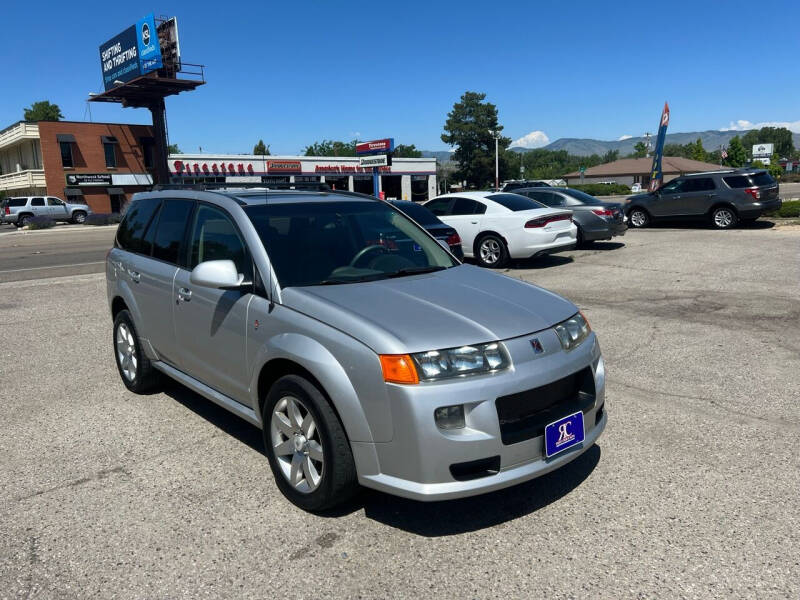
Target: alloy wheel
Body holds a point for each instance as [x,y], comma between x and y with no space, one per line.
[297,444]
[723,218]
[638,218]
[126,352]
[490,251]
[80,217]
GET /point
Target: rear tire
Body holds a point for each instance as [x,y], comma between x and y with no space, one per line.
[134,368]
[307,447]
[24,220]
[724,217]
[491,251]
[638,218]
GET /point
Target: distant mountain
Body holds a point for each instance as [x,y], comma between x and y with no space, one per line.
[711,139]
[440,155]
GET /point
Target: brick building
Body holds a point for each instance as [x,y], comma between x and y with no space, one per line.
[101,164]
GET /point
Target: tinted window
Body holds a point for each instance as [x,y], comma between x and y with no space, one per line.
[698,184]
[737,181]
[582,197]
[214,237]
[66,154]
[111,156]
[762,178]
[514,202]
[439,207]
[17,202]
[310,243]
[130,235]
[547,198]
[418,212]
[37,202]
[674,186]
[171,227]
[54,202]
[465,206]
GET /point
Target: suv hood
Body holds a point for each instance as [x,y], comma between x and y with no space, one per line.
[459,306]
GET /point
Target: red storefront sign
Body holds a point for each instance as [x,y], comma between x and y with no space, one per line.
[385,145]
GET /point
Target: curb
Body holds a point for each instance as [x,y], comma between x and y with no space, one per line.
[58,229]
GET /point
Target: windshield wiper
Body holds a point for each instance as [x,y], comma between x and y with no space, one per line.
[339,280]
[415,271]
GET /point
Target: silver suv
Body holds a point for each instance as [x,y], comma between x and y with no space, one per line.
[363,349]
[22,209]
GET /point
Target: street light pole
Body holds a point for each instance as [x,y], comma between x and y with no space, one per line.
[496,163]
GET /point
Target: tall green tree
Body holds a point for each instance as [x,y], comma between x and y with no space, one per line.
[173,149]
[469,128]
[639,150]
[43,111]
[406,151]
[260,149]
[780,136]
[736,153]
[698,152]
[331,148]
[610,156]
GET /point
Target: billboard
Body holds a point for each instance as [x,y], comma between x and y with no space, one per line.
[763,150]
[375,146]
[130,54]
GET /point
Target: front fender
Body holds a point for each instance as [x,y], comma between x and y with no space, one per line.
[317,360]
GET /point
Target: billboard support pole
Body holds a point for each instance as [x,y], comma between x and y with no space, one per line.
[375,182]
[158,110]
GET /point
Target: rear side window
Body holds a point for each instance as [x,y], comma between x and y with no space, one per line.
[547,198]
[514,202]
[37,202]
[762,178]
[171,227]
[439,207]
[736,181]
[17,202]
[465,206]
[130,235]
[698,184]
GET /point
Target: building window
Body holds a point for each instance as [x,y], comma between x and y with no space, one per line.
[148,152]
[66,154]
[111,155]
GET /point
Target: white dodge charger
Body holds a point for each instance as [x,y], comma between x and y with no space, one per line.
[496,226]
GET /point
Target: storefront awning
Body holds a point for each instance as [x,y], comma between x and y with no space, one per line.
[65,137]
[108,139]
[112,191]
[72,192]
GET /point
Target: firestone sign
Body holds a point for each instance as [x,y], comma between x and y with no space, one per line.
[221,168]
[375,146]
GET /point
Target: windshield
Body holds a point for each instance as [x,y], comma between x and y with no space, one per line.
[582,196]
[514,202]
[418,212]
[325,243]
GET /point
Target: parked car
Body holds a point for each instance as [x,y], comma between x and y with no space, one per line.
[723,197]
[441,231]
[497,226]
[595,219]
[515,184]
[22,209]
[401,370]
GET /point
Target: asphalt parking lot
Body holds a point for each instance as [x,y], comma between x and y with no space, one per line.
[691,492]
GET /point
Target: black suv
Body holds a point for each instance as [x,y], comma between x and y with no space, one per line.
[723,197]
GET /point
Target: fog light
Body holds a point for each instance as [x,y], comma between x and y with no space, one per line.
[450,417]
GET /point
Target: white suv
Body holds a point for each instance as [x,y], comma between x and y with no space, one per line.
[22,209]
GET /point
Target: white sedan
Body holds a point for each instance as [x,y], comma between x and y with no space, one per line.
[496,226]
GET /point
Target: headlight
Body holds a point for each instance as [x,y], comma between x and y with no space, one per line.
[456,362]
[573,331]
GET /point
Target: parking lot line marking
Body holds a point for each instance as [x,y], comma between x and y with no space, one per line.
[98,262]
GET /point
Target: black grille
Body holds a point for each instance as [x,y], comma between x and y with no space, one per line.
[524,415]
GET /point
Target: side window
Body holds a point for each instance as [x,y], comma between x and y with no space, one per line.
[54,202]
[171,227]
[66,154]
[464,206]
[439,207]
[37,202]
[737,181]
[111,155]
[130,235]
[673,187]
[214,237]
[698,184]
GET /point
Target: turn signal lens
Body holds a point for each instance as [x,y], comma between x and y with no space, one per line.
[398,368]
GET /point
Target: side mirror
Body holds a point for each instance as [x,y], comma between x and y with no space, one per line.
[220,274]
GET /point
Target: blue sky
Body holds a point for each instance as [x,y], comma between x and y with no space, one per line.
[296,72]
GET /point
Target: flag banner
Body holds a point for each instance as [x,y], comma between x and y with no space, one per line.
[656,174]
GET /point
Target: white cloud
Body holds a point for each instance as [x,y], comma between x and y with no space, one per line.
[624,137]
[744,125]
[535,139]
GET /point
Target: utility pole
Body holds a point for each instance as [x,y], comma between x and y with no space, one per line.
[496,135]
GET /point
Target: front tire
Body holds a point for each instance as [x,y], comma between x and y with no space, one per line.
[491,252]
[638,218]
[78,217]
[724,217]
[307,448]
[135,369]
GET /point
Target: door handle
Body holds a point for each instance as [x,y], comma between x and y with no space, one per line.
[473,222]
[184,294]
[134,275]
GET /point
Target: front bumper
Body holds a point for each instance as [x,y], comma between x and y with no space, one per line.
[417,462]
[756,209]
